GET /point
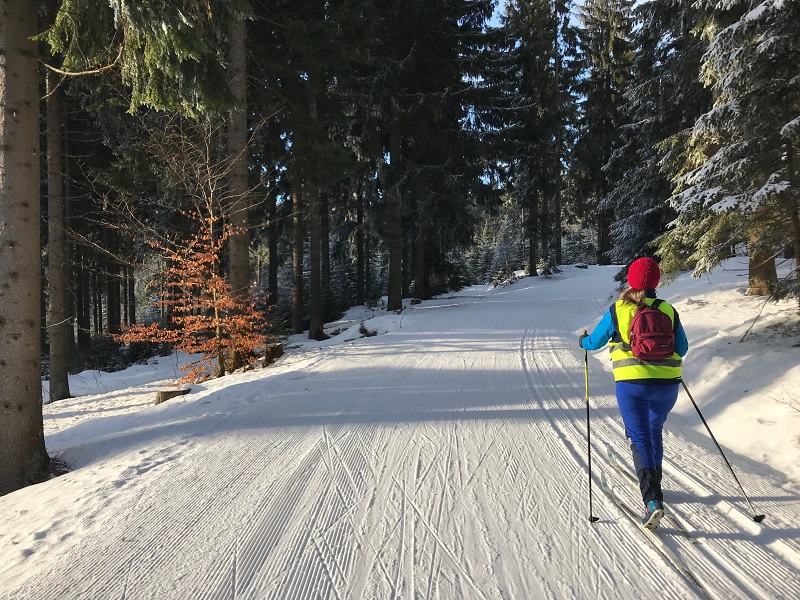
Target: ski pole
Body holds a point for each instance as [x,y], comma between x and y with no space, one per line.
[756,518]
[592,518]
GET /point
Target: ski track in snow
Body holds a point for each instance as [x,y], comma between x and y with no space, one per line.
[446,460]
[728,557]
[733,556]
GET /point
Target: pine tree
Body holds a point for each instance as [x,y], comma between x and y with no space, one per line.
[533,46]
[739,181]
[664,98]
[167,52]
[298,239]
[306,85]
[414,75]
[57,257]
[442,156]
[237,148]
[605,44]
[566,80]
[23,457]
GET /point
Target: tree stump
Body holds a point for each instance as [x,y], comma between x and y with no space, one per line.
[272,352]
[164,395]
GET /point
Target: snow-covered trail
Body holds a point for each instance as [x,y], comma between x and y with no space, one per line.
[446,459]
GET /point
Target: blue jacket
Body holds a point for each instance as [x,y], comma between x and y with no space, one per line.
[605,329]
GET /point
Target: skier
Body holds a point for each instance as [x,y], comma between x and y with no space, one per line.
[646,389]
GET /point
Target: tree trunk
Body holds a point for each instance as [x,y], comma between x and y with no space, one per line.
[315,280]
[23,457]
[42,299]
[124,289]
[794,208]
[603,237]
[57,260]
[325,257]
[82,303]
[544,233]
[298,238]
[395,226]
[238,209]
[369,208]
[421,267]
[762,273]
[420,275]
[97,302]
[113,280]
[114,313]
[131,284]
[420,291]
[70,248]
[360,270]
[558,149]
[557,221]
[272,215]
[533,259]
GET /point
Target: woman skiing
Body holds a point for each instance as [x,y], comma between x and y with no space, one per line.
[647,347]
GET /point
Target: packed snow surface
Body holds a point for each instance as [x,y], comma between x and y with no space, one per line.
[444,458]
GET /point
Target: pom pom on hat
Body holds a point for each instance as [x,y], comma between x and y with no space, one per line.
[644,274]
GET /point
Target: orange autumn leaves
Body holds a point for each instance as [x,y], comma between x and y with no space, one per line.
[203,315]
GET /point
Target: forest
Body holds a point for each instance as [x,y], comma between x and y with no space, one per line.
[212,174]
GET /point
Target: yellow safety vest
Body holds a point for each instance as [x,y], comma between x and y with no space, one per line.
[625,365]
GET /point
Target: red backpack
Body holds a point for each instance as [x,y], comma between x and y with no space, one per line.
[651,334]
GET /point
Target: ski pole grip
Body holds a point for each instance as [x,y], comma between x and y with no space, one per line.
[580,339]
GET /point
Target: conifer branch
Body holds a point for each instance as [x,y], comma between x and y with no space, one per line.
[96,71]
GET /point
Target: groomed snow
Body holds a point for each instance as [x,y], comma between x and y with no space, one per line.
[445,457]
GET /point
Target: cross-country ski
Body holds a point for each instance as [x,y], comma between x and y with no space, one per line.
[656,538]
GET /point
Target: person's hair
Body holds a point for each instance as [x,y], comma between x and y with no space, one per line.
[635,297]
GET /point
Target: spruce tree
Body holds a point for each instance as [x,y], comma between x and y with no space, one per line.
[535,126]
[566,71]
[58,260]
[167,53]
[416,98]
[306,85]
[236,136]
[606,51]
[23,457]
[739,181]
[663,99]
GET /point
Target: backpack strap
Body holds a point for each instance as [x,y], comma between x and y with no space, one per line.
[616,337]
[657,302]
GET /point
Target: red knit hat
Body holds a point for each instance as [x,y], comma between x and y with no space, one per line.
[644,274]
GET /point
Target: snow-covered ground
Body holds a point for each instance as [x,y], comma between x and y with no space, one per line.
[444,458]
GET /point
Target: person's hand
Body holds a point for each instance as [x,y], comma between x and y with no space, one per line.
[580,339]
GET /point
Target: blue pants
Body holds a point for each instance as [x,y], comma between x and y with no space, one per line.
[644,410]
